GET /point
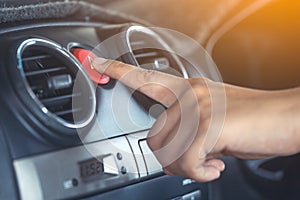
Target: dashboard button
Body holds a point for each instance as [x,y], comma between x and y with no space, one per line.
[196,195]
[110,166]
[84,57]
[153,166]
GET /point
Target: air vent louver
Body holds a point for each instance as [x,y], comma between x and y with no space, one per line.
[50,74]
[151,52]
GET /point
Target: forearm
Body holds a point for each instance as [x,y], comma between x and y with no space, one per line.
[262,123]
[291,117]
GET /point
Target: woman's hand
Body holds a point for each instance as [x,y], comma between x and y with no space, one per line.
[206,120]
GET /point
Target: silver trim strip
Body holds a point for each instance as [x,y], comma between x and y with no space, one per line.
[28,180]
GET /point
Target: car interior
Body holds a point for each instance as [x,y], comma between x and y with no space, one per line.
[67,132]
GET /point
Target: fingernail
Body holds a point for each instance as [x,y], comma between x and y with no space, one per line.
[99,61]
[222,167]
[91,62]
[217,174]
[98,64]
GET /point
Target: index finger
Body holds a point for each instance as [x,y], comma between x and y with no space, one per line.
[159,86]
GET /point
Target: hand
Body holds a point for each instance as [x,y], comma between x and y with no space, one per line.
[191,135]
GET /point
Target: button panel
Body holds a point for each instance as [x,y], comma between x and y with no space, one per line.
[72,172]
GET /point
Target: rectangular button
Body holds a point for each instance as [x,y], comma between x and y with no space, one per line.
[153,166]
[196,195]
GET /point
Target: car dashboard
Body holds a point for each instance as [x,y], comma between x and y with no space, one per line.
[68,133]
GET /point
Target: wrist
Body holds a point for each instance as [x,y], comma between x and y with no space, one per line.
[291,101]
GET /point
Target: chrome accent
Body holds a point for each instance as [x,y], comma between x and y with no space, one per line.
[150,33]
[64,52]
[72,45]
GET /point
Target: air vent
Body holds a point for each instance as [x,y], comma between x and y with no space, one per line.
[151,52]
[50,74]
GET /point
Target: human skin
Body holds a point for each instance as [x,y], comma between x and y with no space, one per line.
[258,124]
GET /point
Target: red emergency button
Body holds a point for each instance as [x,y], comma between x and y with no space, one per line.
[85,57]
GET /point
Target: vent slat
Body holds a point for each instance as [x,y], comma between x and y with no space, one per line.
[152,54]
[147,54]
[38,57]
[58,98]
[44,71]
[68,111]
[137,44]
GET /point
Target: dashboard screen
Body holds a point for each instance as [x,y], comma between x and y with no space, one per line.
[91,168]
